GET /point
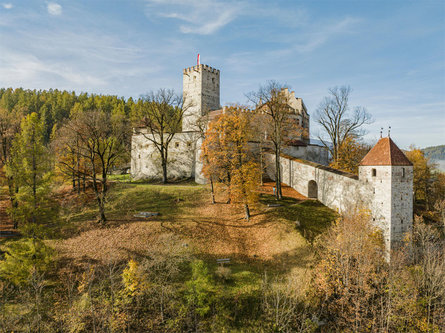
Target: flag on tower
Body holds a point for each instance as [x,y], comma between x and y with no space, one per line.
[198,59]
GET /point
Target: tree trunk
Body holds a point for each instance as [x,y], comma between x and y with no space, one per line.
[102,218]
[278,192]
[229,195]
[212,190]
[13,190]
[164,156]
[247,210]
[261,165]
[34,186]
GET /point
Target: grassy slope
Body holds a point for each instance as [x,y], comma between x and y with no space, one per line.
[271,241]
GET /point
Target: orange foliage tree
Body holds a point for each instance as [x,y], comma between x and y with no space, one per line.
[226,158]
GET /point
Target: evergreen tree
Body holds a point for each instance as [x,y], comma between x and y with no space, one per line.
[30,167]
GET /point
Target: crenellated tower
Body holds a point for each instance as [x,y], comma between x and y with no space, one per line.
[201,92]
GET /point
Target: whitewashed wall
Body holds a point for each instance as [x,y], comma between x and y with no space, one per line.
[337,190]
[146,160]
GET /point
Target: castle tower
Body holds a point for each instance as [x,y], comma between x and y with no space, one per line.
[201,93]
[390,175]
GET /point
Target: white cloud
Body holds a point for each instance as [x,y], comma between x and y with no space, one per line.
[7,5]
[54,8]
[202,17]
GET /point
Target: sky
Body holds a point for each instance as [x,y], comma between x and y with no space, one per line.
[391,53]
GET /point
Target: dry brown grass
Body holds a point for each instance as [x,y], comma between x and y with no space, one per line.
[209,230]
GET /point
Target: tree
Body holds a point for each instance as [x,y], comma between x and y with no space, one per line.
[23,258]
[9,127]
[337,120]
[199,293]
[423,175]
[101,146]
[161,113]
[30,167]
[350,277]
[226,157]
[350,153]
[272,105]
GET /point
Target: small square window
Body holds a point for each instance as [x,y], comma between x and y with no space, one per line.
[189,144]
[176,144]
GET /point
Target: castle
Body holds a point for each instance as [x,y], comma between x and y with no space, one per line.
[384,183]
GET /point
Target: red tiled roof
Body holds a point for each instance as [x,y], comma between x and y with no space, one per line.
[385,152]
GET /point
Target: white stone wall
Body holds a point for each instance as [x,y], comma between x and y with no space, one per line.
[387,191]
[336,189]
[146,160]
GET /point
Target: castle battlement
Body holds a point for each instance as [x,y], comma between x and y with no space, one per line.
[201,67]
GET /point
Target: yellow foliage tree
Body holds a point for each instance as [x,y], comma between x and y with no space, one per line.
[226,158]
[349,155]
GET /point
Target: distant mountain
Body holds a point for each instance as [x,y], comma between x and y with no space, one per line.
[436,153]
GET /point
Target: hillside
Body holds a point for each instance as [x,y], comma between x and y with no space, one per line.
[211,231]
[436,153]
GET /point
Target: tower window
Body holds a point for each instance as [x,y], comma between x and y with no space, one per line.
[213,80]
[401,221]
[403,172]
[189,144]
[374,172]
[176,144]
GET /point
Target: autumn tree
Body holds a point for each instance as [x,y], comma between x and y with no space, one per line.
[422,177]
[161,114]
[349,155]
[338,121]
[226,156]
[101,146]
[30,168]
[272,106]
[350,275]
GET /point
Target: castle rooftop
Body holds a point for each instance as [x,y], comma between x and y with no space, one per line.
[385,152]
[200,67]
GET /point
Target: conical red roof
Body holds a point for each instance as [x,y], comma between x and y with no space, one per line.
[385,152]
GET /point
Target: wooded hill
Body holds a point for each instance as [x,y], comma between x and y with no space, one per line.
[435,153]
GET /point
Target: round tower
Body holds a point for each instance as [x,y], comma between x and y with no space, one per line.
[201,94]
[389,175]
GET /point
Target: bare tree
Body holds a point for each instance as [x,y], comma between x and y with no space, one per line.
[273,103]
[338,121]
[101,145]
[161,114]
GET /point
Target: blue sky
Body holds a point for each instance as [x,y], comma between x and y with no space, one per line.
[392,53]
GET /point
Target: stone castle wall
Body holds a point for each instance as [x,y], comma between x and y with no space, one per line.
[386,191]
[335,189]
[146,160]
